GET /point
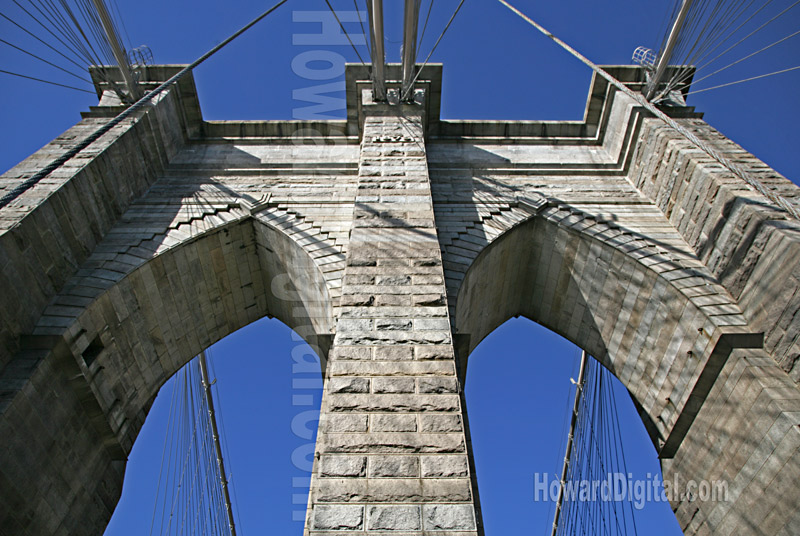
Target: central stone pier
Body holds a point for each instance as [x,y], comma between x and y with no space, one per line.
[392,448]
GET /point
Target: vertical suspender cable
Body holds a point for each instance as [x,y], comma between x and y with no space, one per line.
[570,437]
[215,434]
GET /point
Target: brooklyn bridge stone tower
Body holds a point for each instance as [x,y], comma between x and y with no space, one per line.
[394,242]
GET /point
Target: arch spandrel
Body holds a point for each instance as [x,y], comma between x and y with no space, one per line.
[125,323]
[138,330]
[648,312]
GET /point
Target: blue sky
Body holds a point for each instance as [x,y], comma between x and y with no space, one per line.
[495,67]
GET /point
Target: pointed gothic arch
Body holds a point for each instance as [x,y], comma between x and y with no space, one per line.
[145,322]
[629,301]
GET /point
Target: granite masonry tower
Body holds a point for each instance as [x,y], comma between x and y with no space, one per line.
[394,242]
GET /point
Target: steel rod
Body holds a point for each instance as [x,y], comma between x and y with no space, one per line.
[570,438]
[410,28]
[116,48]
[665,56]
[215,434]
[378,56]
[130,110]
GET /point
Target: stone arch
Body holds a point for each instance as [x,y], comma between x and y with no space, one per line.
[649,312]
[102,359]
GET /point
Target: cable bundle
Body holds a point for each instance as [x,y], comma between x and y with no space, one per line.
[66,35]
[712,36]
[593,504]
[189,497]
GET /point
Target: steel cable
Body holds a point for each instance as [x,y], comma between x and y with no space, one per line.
[133,108]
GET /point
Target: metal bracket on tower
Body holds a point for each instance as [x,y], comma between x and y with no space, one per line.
[375,9]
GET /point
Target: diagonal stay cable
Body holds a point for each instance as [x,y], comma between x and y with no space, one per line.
[678,81]
[67,46]
[42,41]
[745,80]
[639,99]
[31,54]
[46,82]
[61,160]
[363,29]
[425,26]
[346,33]
[779,41]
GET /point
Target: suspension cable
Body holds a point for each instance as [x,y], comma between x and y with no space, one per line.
[45,43]
[363,29]
[639,99]
[346,33]
[144,100]
[745,80]
[79,77]
[46,82]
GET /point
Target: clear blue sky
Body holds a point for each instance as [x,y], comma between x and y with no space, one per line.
[495,67]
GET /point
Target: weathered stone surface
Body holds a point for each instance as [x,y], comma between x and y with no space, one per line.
[399,442]
[338,466]
[394,518]
[438,385]
[394,423]
[444,466]
[386,248]
[426,368]
[448,517]
[440,423]
[332,422]
[393,403]
[394,466]
[338,517]
[348,385]
[394,385]
[392,490]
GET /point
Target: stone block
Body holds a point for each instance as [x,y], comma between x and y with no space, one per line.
[393,324]
[331,422]
[424,368]
[392,490]
[393,385]
[393,443]
[338,517]
[394,518]
[394,423]
[444,466]
[394,353]
[438,385]
[390,403]
[348,385]
[340,466]
[440,423]
[352,352]
[429,324]
[431,352]
[393,280]
[448,517]
[394,466]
